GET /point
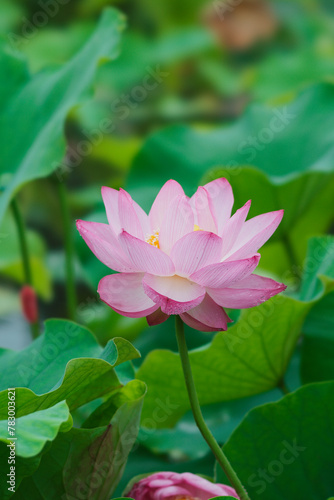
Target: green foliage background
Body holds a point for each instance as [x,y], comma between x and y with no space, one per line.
[130,94]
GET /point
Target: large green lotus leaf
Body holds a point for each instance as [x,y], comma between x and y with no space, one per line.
[55,45]
[118,351]
[187,153]
[85,379]
[41,365]
[87,462]
[285,449]
[318,342]
[24,467]
[248,359]
[34,434]
[101,416]
[14,67]
[185,441]
[308,204]
[319,263]
[301,67]
[34,430]
[269,155]
[46,372]
[222,418]
[11,259]
[155,70]
[37,108]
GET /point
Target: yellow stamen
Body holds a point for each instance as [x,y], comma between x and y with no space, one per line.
[153,239]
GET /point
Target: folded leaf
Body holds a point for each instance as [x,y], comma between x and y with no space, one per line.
[88,462]
[34,434]
[34,430]
[41,366]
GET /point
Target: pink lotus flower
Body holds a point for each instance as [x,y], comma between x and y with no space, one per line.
[187,257]
[172,486]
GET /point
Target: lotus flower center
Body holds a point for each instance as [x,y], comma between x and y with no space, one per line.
[153,239]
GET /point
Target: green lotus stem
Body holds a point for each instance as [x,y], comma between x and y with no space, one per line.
[69,251]
[196,409]
[21,230]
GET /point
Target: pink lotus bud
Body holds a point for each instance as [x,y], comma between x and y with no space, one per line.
[173,486]
[29,303]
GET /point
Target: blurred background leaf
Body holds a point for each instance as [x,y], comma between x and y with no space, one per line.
[191,95]
[318,343]
[39,105]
